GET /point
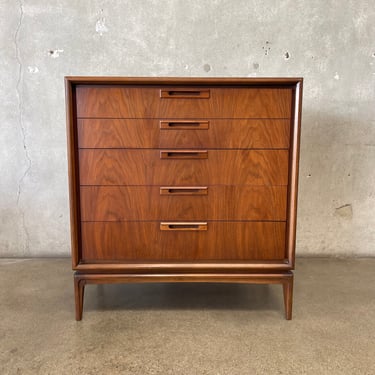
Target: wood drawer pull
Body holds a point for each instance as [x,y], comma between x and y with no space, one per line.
[185,154]
[184,94]
[183,226]
[203,190]
[184,125]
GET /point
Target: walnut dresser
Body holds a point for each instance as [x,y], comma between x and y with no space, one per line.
[183,180]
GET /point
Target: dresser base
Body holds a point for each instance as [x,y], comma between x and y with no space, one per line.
[285,278]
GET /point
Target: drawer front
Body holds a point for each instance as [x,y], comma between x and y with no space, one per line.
[126,203]
[141,241]
[182,102]
[154,167]
[195,133]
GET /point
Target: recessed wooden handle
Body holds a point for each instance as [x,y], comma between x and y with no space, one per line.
[183,226]
[183,154]
[184,94]
[181,190]
[184,125]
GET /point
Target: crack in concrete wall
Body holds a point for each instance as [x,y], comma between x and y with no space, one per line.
[345,210]
[22,126]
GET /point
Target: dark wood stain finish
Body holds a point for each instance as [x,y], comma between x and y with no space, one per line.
[183,180]
[153,133]
[154,167]
[219,202]
[223,240]
[146,102]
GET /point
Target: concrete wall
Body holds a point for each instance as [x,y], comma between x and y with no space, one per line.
[329,43]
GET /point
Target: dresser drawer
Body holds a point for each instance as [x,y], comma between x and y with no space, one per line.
[154,167]
[195,133]
[182,102]
[140,241]
[123,203]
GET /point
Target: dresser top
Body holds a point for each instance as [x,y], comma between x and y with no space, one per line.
[287,81]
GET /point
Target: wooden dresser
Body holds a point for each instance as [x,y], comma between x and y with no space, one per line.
[183,180]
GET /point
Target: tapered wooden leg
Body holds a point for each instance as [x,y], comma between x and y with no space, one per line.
[79,291]
[288,297]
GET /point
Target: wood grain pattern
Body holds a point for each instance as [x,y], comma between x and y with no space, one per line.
[144,167]
[146,133]
[126,203]
[135,102]
[141,241]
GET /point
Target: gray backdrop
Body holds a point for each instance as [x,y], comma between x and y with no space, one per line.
[329,43]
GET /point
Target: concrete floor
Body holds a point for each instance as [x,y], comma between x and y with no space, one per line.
[188,328]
